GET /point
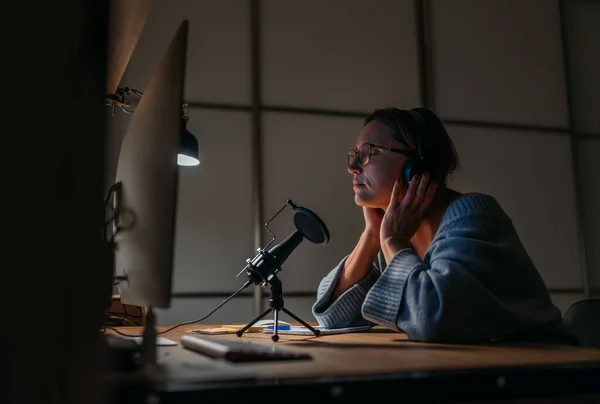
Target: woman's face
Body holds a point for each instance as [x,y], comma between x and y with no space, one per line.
[373,182]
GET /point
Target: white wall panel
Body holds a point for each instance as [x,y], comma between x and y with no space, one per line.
[530,175]
[237,310]
[218,62]
[589,171]
[339,54]
[214,217]
[304,159]
[583,31]
[499,61]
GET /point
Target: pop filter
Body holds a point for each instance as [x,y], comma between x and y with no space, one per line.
[310,225]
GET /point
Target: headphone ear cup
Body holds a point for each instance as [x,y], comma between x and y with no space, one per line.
[407,171]
[410,168]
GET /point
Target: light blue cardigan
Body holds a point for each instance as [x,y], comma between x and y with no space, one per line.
[475,283]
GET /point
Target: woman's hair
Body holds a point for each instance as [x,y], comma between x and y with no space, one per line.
[439,155]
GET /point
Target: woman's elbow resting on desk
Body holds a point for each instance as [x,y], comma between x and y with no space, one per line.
[341,312]
[345,310]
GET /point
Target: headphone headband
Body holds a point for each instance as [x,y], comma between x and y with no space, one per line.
[418,118]
[419,128]
[414,164]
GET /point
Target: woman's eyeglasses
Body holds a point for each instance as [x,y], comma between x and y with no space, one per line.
[366,150]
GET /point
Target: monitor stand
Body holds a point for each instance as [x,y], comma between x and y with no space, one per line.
[133,373]
[148,346]
[122,354]
[125,354]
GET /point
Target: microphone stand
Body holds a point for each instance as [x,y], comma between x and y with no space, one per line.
[276,305]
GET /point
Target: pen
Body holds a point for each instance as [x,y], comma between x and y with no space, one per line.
[280,327]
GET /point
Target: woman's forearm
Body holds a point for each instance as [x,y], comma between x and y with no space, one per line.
[358,263]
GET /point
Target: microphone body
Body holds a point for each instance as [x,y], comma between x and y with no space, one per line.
[266,264]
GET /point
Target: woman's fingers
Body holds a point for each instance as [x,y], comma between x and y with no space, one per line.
[395,194]
[421,190]
[411,191]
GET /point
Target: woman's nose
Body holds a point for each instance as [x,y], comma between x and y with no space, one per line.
[354,167]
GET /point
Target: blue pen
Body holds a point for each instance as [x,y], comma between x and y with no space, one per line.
[280,327]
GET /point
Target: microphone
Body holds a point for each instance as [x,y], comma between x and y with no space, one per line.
[266,264]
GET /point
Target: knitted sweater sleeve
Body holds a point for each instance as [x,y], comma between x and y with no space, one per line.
[345,311]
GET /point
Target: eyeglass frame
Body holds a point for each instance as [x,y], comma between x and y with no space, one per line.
[371,145]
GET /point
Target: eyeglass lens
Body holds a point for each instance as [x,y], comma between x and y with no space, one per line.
[364,153]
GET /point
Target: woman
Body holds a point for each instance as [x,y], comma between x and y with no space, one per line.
[431,262]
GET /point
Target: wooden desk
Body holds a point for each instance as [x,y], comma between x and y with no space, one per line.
[367,365]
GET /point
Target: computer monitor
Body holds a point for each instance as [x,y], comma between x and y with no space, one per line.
[144,196]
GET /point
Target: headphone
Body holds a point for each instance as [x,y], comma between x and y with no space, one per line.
[415,164]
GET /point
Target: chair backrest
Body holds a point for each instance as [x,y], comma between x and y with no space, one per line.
[584,318]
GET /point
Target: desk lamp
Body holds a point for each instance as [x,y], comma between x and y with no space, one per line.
[188,144]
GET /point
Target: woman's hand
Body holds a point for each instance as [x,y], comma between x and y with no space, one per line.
[402,219]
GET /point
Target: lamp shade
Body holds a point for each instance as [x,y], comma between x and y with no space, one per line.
[188,149]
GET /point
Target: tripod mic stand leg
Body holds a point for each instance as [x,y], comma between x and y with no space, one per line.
[304,323]
[275,336]
[250,324]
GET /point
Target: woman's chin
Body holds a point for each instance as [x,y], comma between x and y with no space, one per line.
[364,201]
[365,197]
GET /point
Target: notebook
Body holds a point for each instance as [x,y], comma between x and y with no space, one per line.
[301,330]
